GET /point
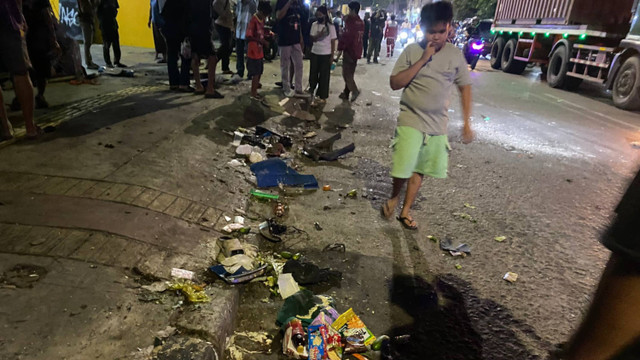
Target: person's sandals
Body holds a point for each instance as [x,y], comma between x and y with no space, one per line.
[199,91]
[407,222]
[215,95]
[344,96]
[386,211]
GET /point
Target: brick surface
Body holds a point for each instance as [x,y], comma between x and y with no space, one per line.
[46,242]
[80,187]
[91,247]
[70,243]
[178,207]
[113,192]
[60,186]
[210,217]
[162,202]
[194,212]
[96,190]
[130,194]
[146,197]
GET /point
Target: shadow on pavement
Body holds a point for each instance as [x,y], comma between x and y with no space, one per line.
[104,116]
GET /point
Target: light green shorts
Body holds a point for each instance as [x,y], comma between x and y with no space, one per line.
[415,152]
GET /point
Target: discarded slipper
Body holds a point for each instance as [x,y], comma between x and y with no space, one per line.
[403,220]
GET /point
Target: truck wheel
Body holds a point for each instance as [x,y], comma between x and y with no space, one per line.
[626,86]
[496,53]
[557,70]
[509,64]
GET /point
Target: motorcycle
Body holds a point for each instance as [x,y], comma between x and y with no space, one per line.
[472,49]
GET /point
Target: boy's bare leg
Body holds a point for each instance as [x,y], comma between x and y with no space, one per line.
[612,322]
[391,204]
[410,196]
[24,93]
[195,67]
[211,74]
[4,120]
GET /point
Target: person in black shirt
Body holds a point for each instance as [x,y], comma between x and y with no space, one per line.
[107,13]
[377,32]
[611,327]
[367,30]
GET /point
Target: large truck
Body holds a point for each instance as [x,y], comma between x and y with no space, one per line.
[572,41]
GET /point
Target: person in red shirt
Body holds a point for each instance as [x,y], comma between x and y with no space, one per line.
[255,53]
[391,33]
[351,46]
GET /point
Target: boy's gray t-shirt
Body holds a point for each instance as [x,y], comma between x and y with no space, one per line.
[425,101]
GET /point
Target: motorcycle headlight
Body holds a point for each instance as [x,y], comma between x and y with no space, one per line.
[419,34]
[477,46]
[403,36]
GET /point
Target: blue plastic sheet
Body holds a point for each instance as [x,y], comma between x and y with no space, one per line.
[273,172]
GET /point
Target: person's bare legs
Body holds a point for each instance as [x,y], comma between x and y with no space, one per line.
[391,204]
[195,67]
[255,84]
[4,119]
[410,196]
[612,322]
[24,93]
[211,74]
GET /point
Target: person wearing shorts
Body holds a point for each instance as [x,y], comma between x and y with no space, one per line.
[256,43]
[202,47]
[14,58]
[426,72]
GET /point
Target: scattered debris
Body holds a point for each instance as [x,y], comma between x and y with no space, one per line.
[352,194]
[335,247]
[510,277]
[192,293]
[310,134]
[467,205]
[263,195]
[432,238]
[109,146]
[500,238]
[183,274]
[280,209]
[458,266]
[236,163]
[255,157]
[270,230]
[317,226]
[460,250]
[326,188]
[464,216]
[22,276]
[273,172]
[324,149]
[287,285]
[244,150]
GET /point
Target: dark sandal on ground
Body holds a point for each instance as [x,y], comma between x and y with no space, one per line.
[408,223]
[386,211]
[215,95]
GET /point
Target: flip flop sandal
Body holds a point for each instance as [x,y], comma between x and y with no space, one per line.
[403,220]
[35,136]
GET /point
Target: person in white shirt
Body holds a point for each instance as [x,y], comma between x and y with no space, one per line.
[324,37]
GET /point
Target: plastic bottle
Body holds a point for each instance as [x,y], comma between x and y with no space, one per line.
[297,333]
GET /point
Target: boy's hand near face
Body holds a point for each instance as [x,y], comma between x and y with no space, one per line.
[429,51]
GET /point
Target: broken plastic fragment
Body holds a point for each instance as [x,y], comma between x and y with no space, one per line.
[500,238]
[510,277]
[432,238]
[264,195]
[458,266]
[182,274]
[467,205]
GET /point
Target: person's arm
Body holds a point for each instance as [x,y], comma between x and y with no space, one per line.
[404,78]
[612,322]
[465,102]
[282,12]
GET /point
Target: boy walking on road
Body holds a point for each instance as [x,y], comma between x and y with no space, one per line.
[426,71]
[351,46]
[255,52]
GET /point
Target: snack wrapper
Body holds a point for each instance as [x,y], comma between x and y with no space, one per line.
[317,345]
[356,333]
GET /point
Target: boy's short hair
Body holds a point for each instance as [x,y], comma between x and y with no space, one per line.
[436,13]
[355,6]
[265,7]
[393,16]
[338,13]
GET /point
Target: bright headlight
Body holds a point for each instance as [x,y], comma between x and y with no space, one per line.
[419,34]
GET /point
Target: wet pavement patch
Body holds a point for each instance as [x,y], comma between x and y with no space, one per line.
[22,276]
